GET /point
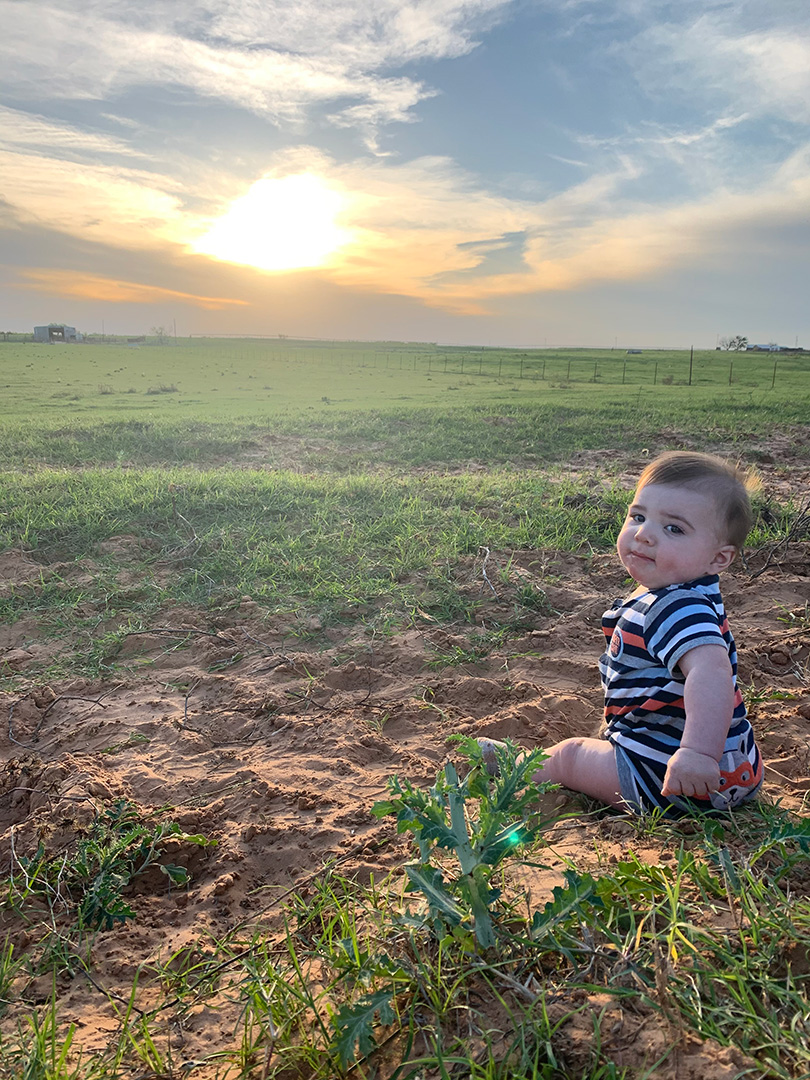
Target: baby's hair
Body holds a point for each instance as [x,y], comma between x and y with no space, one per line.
[727,483]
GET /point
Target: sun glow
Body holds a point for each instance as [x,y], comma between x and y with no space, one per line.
[285,223]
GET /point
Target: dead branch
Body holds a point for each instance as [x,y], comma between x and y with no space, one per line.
[179,631]
[487,556]
[191,690]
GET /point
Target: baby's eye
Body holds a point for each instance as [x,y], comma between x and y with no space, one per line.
[675,530]
[638,518]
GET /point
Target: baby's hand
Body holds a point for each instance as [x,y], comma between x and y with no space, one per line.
[691,773]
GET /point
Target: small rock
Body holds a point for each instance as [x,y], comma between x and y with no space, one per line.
[621,828]
[224,883]
[779,657]
[98,789]
[314,623]
[804,710]
[15,659]
[44,698]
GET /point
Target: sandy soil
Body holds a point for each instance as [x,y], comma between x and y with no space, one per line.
[277,747]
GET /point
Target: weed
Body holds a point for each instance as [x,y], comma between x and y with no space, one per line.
[457,655]
[9,969]
[441,819]
[91,882]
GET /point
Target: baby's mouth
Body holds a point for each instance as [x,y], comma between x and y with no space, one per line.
[639,555]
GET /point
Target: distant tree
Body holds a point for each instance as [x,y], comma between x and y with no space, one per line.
[733,344]
[160,333]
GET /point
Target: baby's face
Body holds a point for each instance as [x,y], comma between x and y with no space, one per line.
[672,535]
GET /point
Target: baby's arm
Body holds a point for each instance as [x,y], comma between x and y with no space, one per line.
[708,697]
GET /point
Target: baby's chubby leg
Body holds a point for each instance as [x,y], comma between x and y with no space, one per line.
[581,764]
[586,765]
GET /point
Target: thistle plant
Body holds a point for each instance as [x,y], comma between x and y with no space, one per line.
[481,820]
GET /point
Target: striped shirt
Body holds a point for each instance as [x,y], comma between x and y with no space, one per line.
[646,636]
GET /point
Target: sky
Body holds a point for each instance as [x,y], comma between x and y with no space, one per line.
[483,172]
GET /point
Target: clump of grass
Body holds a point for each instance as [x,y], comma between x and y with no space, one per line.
[90,883]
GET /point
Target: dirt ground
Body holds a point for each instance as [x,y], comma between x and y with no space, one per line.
[277,747]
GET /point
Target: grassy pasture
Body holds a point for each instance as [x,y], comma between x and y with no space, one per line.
[218,378]
[356,407]
[336,504]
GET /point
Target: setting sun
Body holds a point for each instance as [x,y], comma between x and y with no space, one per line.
[285,223]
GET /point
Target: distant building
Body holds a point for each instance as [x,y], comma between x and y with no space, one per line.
[634,352]
[57,332]
[772,347]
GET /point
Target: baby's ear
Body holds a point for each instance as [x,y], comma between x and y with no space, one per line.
[724,558]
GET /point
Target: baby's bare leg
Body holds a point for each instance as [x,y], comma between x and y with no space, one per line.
[586,765]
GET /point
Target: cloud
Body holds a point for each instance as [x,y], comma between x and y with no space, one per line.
[277,58]
[426,231]
[20,129]
[756,61]
[80,286]
[98,202]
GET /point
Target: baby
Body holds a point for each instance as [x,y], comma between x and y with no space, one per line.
[677,736]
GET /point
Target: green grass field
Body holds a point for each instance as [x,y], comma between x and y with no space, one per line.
[365,406]
[249,378]
[337,502]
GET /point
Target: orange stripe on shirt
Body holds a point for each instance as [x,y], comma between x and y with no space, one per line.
[650,705]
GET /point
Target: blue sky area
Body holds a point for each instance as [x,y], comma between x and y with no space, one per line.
[518,172]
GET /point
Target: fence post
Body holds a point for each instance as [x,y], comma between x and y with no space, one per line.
[544,370]
[773,380]
[500,365]
[595,366]
[568,376]
[691,358]
[521,367]
[480,363]
[730,370]
[655,374]
[624,372]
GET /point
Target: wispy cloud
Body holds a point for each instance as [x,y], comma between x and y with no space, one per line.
[755,60]
[276,58]
[131,207]
[31,131]
[438,250]
[80,286]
